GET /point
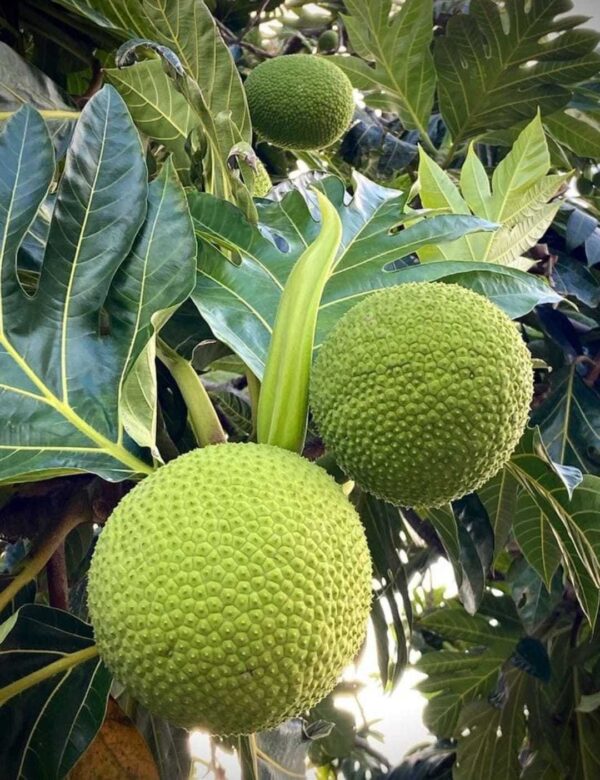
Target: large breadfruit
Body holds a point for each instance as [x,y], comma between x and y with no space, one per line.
[422,392]
[299,101]
[229,589]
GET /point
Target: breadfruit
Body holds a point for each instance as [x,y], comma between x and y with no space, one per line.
[422,392]
[299,101]
[329,40]
[230,588]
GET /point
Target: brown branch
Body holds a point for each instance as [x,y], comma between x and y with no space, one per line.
[231,38]
[78,511]
[58,583]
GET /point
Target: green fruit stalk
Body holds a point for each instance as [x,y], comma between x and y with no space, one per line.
[422,392]
[229,590]
[300,101]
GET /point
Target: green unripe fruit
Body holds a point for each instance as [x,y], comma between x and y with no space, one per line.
[230,588]
[422,392]
[328,41]
[300,101]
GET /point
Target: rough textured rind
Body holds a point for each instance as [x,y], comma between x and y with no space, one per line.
[229,589]
[300,101]
[422,391]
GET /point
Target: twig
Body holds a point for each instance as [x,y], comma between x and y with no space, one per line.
[363,744]
[253,20]
[253,392]
[231,38]
[594,374]
[58,583]
[78,511]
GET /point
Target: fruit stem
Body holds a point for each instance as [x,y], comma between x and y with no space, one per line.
[78,511]
[253,392]
[58,581]
[247,757]
[68,661]
[203,418]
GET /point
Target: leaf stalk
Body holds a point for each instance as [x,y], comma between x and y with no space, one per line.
[56,667]
[203,418]
[78,511]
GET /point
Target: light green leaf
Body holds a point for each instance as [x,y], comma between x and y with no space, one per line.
[526,163]
[21,83]
[475,184]
[436,188]
[589,703]
[158,110]
[283,402]
[188,28]
[396,72]
[498,66]
[517,201]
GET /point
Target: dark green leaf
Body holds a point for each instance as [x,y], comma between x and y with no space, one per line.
[383,524]
[239,302]
[569,420]
[21,83]
[578,132]
[395,69]
[531,656]
[111,245]
[549,518]
[481,59]
[499,497]
[490,738]
[532,599]
[482,643]
[47,727]
[282,752]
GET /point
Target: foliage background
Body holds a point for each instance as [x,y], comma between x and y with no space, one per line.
[163,331]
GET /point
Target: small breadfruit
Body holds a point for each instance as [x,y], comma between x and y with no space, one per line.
[300,101]
[230,588]
[422,391]
[329,40]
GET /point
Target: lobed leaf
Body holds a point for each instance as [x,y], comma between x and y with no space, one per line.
[497,66]
[239,299]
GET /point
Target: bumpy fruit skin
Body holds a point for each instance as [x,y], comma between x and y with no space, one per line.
[229,589]
[422,392]
[329,40]
[300,101]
